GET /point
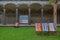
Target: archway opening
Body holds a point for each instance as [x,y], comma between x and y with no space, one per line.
[10,13]
[58,14]
[23,11]
[1,13]
[48,13]
[35,12]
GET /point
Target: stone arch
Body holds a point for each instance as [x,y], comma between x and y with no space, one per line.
[35,7]
[48,7]
[1,7]
[23,9]
[10,8]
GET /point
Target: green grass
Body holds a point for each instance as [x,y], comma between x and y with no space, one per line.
[58,28]
[59,33]
[24,33]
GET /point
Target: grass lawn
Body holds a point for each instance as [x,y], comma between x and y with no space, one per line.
[24,33]
[59,33]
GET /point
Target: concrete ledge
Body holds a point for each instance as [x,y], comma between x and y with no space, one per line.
[19,25]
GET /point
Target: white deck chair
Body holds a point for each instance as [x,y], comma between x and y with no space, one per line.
[51,27]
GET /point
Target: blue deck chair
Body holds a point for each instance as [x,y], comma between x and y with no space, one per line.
[45,27]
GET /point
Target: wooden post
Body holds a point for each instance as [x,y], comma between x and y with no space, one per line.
[29,15]
[16,14]
[55,13]
[17,23]
[4,20]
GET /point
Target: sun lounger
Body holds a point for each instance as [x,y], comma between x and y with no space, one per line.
[45,27]
[38,26]
[51,27]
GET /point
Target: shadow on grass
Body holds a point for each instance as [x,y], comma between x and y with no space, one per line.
[48,34]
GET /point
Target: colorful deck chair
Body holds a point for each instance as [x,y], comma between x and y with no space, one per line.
[38,27]
[45,27]
[51,27]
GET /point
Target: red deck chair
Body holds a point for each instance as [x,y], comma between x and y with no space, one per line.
[38,27]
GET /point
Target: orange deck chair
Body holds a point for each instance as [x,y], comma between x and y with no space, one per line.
[38,27]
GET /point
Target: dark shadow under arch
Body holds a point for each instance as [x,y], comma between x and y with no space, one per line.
[1,13]
[10,13]
[58,14]
[23,9]
[35,12]
[1,7]
[10,8]
[48,13]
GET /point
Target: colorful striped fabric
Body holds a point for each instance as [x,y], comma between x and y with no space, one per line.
[51,27]
[38,26]
[45,26]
